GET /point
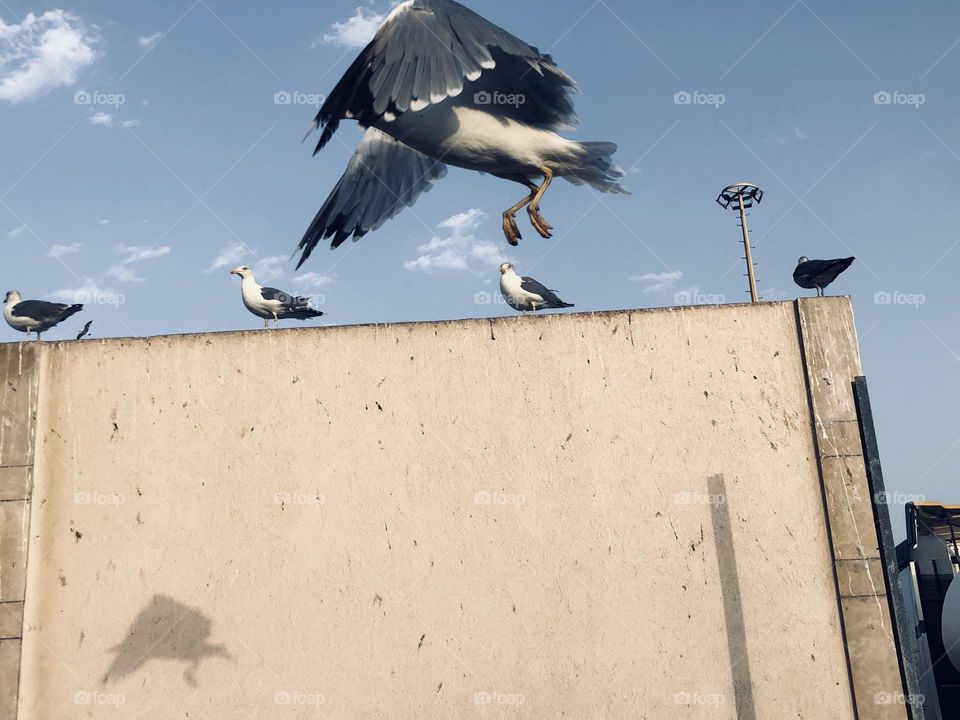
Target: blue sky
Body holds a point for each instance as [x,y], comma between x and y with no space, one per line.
[148,148]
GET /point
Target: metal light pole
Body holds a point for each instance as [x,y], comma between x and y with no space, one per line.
[741,196]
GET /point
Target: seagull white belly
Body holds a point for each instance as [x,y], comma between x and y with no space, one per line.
[255,303]
[476,140]
[510,287]
[19,322]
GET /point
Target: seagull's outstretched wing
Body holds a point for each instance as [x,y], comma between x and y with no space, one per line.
[383,177]
[430,50]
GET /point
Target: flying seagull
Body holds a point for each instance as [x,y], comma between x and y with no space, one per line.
[34,315]
[818,274]
[525,293]
[270,303]
[85,331]
[439,85]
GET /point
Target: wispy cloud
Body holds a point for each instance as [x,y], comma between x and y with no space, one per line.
[42,53]
[270,268]
[460,250]
[312,280]
[107,120]
[17,231]
[58,251]
[124,271]
[655,282]
[91,292]
[356,31]
[229,256]
[148,41]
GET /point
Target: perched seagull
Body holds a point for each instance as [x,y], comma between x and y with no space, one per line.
[270,303]
[85,331]
[818,274]
[525,293]
[439,85]
[34,315]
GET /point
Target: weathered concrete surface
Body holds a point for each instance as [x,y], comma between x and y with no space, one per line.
[19,372]
[581,516]
[832,359]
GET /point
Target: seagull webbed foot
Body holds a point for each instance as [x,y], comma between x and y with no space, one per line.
[538,222]
[510,229]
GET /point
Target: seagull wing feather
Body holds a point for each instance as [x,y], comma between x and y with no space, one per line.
[423,54]
[382,178]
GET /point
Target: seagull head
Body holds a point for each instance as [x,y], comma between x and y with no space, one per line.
[243,271]
[12,296]
[506,268]
[803,259]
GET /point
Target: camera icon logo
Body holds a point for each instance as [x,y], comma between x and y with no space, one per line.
[282,98]
[482,98]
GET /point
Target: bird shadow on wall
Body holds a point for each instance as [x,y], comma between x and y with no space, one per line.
[165,630]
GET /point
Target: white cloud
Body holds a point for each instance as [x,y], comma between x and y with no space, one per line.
[148,41]
[89,292]
[17,231]
[136,254]
[124,270]
[106,120]
[312,280]
[658,281]
[105,221]
[269,268]
[460,250]
[800,134]
[356,31]
[42,53]
[230,256]
[265,268]
[58,251]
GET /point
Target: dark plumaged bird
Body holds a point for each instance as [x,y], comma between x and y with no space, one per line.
[35,315]
[270,303]
[86,329]
[526,294]
[439,85]
[818,274]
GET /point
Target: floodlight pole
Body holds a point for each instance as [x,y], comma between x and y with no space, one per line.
[741,196]
[754,297]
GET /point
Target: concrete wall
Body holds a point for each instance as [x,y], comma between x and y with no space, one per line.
[582,516]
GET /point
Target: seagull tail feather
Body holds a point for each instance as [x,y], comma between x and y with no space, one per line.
[594,166]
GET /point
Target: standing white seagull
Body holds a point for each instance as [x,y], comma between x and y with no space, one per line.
[526,294]
[34,315]
[439,85]
[270,303]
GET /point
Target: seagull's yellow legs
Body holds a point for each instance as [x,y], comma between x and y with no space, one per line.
[532,203]
[533,209]
[510,229]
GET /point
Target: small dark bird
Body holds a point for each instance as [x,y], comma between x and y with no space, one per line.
[86,329]
[818,274]
[35,315]
[525,293]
